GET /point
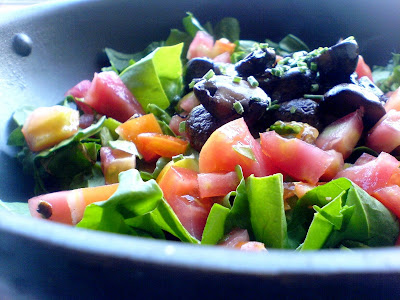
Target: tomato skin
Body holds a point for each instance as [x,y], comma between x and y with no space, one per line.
[79,90]
[215,184]
[181,191]
[154,145]
[363,69]
[385,135]
[342,135]
[115,161]
[109,96]
[394,101]
[47,126]
[390,197]
[373,174]
[300,160]
[219,156]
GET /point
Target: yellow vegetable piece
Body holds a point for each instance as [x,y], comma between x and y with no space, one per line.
[47,126]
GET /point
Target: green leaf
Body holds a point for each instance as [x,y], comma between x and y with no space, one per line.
[157,78]
[16,138]
[214,230]
[166,218]
[119,60]
[133,198]
[228,28]
[125,146]
[192,25]
[388,78]
[21,114]
[17,208]
[267,214]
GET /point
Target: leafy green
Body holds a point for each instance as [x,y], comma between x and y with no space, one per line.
[267,214]
[288,45]
[156,78]
[67,165]
[388,78]
[192,25]
[227,28]
[133,198]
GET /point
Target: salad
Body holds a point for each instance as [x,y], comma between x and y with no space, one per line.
[210,139]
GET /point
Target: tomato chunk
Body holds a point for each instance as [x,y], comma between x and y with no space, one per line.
[390,197]
[181,190]
[115,161]
[230,145]
[47,126]
[130,129]
[214,184]
[297,158]
[153,145]
[109,96]
[373,174]
[363,69]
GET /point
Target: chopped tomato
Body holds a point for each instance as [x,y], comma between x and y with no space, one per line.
[298,159]
[335,166]
[342,135]
[115,161]
[153,145]
[133,127]
[215,184]
[239,239]
[174,124]
[394,101]
[373,174]
[68,206]
[79,90]
[47,126]
[363,69]
[109,96]
[390,197]
[385,135]
[230,145]
[181,191]
[201,45]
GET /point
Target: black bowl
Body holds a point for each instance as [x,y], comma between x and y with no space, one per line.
[39,260]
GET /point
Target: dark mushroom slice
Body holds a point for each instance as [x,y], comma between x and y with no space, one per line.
[200,124]
[197,68]
[256,62]
[293,84]
[346,98]
[366,83]
[299,110]
[221,94]
[336,65]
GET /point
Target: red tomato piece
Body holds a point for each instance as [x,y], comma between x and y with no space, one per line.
[152,145]
[390,197]
[385,135]
[201,45]
[300,160]
[363,69]
[342,135]
[372,175]
[175,123]
[225,149]
[109,96]
[215,184]
[115,161]
[79,90]
[181,191]
[394,101]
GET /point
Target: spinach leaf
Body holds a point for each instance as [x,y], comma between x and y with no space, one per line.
[227,28]
[288,45]
[133,198]
[267,214]
[388,78]
[215,230]
[157,78]
[192,25]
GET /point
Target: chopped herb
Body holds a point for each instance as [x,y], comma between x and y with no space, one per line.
[178,157]
[237,79]
[313,66]
[253,82]
[314,97]
[277,72]
[192,83]
[182,126]
[210,74]
[238,107]
[293,109]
